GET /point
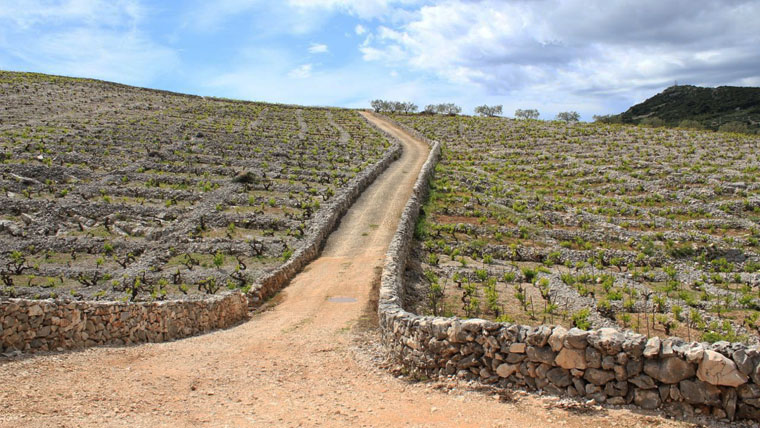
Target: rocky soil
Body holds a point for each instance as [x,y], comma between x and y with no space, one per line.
[111,192]
[309,359]
[591,225]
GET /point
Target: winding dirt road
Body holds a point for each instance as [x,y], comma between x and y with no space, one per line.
[310,359]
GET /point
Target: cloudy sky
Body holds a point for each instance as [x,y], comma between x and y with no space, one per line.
[592,56]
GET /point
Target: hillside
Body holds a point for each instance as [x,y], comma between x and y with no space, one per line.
[710,108]
[116,192]
[591,225]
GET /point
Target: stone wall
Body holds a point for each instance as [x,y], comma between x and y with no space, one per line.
[49,325]
[42,325]
[607,365]
[324,222]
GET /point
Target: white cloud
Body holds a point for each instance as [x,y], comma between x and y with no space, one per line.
[317,48]
[364,9]
[571,49]
[301,72]
[123,57]
[359,29]
[91,38]
[29,13]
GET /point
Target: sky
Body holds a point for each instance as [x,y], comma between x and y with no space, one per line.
[590,56]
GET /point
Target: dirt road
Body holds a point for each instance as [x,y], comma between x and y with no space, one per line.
[309,360]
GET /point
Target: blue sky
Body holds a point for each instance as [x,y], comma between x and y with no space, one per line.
[592,56]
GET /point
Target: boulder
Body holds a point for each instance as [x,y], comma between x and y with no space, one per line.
[456,333]
[634,345]
[634,367]
[557,339]
[745,411]
[541,354]
[559,377]
[541,370]
[616,389]
[643,381]
[598,377]
[716,369]
[647,398]
[478,325]
[607,340]
[35,311]
[669,370]
[440,327]
[538,336]
[729,401]
[576,338]
[744,361]
[652,348]
[694,353]
[748,391]
[517,348]
[593,358]
[570,358]
[507,370]
[698,392]
[608,362]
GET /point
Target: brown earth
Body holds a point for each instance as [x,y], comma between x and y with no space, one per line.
[303,361]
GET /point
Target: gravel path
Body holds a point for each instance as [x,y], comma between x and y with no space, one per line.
[304,361]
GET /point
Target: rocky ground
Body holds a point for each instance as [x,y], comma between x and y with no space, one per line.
[113,192]
[311,358]
[591,225]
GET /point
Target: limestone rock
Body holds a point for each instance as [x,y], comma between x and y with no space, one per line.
[729,401]
[634,345]
[507,370]
[598,377]
[670,370]
[593,357]
[541,354]
[744,361]
[557,339]
[570,358]
[748,391]
[652,348]
[607,340]
[576,338]
[694,353]
[716,369]
[538,336]
[698,392]
[457,333]
[35,310]
[647,398]
[559,377]
[643,381]
[747,412]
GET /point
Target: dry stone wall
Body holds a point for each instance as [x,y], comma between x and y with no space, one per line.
[607,365]
[324,222]
[49,325]
[41,325]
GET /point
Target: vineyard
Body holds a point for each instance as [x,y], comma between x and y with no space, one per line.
[591,225]
[111,192]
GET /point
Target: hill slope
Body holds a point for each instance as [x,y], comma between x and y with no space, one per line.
[103,183]
[710,107]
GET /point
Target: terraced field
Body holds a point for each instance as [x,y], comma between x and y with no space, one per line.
[114,192]
[591,225]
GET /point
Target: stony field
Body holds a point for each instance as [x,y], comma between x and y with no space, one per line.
[591,225]
[114,192]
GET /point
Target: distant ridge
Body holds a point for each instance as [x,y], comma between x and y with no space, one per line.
[721,108]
